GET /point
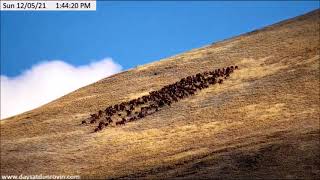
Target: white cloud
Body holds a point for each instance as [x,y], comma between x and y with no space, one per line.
[47,81]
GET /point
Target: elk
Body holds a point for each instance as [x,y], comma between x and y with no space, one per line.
[157,99]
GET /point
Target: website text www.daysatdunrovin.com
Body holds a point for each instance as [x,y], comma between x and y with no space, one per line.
[21,176]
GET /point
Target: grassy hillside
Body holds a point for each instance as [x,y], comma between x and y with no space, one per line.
[262,122]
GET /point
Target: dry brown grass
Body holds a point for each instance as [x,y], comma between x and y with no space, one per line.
[262,122]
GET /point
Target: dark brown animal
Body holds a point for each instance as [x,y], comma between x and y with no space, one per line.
[100,113]
[93,121]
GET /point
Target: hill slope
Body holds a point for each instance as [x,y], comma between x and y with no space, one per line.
[262,122]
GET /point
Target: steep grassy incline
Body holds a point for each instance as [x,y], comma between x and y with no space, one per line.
[262,122]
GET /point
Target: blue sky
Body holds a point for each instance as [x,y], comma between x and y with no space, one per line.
[131,33]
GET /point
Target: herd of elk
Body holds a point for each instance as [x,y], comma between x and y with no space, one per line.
[138,108]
